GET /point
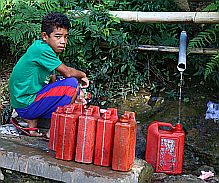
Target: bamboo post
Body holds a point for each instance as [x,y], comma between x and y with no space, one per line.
[165,17]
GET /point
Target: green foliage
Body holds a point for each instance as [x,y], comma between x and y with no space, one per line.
[212,68]
[207,36]
[212,7]
[104,47]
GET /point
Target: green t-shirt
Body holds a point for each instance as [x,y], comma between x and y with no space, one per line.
[31,72]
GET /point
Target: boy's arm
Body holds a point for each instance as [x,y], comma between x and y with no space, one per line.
[71,72]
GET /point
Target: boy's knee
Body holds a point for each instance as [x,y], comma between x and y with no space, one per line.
[71,82]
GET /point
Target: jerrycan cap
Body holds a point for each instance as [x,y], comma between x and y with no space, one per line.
[178,128]
[59,109]
[124,119]
[106,115]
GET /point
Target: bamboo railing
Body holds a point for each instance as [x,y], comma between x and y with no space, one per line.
[207,51]
[166,17]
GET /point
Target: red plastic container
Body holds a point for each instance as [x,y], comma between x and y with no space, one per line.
[54,128]
[67,132]
[123,144]
[165,147]
[86,137]
[132,120]
[104,139]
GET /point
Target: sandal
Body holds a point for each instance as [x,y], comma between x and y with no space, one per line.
[26,131]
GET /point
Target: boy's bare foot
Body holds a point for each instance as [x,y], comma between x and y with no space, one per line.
[33,124]
[35,134]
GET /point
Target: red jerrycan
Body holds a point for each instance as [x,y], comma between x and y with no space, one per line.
[165,147]
[54,126]
[132,120]
[86,137]
[122,161]
[104,139]
[66,141]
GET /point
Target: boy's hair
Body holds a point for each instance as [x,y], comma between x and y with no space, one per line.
[52,20]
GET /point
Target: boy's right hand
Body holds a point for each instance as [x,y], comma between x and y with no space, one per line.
[84,82]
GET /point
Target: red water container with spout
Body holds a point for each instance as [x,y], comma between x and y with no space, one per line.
[105,138]
[67,132]
[54,126]
[165,147]
[86,137]
[132,120]
[122,159]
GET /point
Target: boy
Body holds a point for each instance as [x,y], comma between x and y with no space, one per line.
[30,94]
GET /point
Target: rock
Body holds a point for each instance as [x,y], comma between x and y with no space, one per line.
[158,177]
[205,168]
[183,179]
[140,143]
[2,177]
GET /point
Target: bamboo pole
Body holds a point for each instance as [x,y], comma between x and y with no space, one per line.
[165,17]
[209,51]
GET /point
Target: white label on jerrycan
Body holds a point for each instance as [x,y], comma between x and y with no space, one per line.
[167,154]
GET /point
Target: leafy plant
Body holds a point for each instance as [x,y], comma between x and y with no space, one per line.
[104,47]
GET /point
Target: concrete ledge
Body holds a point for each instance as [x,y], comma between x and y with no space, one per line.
[24,155]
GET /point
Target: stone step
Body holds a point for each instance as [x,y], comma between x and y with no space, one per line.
[31,156]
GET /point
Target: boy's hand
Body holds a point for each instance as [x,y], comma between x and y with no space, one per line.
[85,82]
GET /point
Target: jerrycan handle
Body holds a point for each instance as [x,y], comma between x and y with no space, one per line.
[68,109]
[162,124]
[106,115]
[88,112]
[59,109]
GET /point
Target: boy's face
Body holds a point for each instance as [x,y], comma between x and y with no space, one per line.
[57,39]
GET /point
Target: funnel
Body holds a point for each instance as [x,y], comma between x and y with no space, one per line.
[182,52]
